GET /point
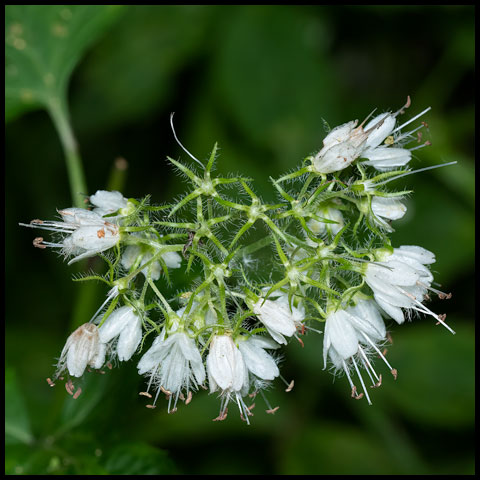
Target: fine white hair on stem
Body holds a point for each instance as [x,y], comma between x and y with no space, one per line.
[178,141]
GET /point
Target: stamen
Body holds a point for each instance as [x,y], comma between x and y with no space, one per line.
[412,172]
[362,353]
[377,350]
[178,141]
[361,380]
[412,119]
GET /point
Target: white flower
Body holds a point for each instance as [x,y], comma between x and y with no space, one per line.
[387,208]
[133,252]
[86,233]
[401,280]
[321,228]
[383,148]
[83,348]
[228,373]
[279,318]
[256,359]
[108,202]
[340,148]
[125,325]
[174,364]
[350,335]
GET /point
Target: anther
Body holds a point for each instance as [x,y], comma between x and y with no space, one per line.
[444,296]
[394,373]
[300,340]
[222,416]
[77,393]
[251,407]
[49,381]
[145,394]
[290,386]
[389,338]
[36,222]
[378,383]
[150,406]
[173,410]
[272,410]
[101,233]
[38,243]
[165,391]
[69,387]
[189,398]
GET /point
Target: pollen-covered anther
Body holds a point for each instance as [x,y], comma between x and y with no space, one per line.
[77,393]
[109,366]
[145,394]
[69,387]
[165,391]
[419,137]
[251,407]
[173,410]
[444,296]
[252,395]
[394,373]
[49,381]
[101,233]
[221,417]
[181,397]
[272,410]
[36,221]
[378,383]
[290,386]
[151,406]
[189,398]
[300,340]
[38,243]
[442,318]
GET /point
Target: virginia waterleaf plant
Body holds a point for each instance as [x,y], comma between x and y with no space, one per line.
[324,264]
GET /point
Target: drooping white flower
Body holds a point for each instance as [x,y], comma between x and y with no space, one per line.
[350,335]
[174,365]
[384,147]
[83,348]
[387,208]
[86,233]
[228,373]
[341,147]
[401,280]
[106,202]
[279,317]
[124,325]
[321,228]
[256,359]
[133,252]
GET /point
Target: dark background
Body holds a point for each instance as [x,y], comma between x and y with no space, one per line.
[260,80]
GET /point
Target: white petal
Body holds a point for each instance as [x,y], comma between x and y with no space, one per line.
[258,361]
[341,334]
[129,339]
[389,208]
[115,323]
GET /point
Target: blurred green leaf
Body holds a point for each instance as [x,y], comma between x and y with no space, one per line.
[335,449]
[76,411]
[273,74]
[138,459]
[132,71]
[43,44]
[17,424]
[439,389]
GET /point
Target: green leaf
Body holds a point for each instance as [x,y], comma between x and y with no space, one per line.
[43,44]
[271,71]
[132,71]
[138,459]
[17,424]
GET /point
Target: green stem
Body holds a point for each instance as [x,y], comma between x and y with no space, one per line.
[58,110]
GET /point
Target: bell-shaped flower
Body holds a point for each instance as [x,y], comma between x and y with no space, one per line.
[124,326]
[279,317]
[350,335]
[174,365]
[83,348]
[322,228]
[106,202]
[86,233]
[401,280]
[256,359]
[386,209]
[143,254]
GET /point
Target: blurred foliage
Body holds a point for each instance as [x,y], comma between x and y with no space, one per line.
[260,80]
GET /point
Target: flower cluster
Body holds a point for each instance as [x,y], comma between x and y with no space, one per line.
[321,257]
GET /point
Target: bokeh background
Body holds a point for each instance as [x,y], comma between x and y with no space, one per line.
[260,80]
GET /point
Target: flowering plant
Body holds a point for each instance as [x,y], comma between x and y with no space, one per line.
[331,266]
